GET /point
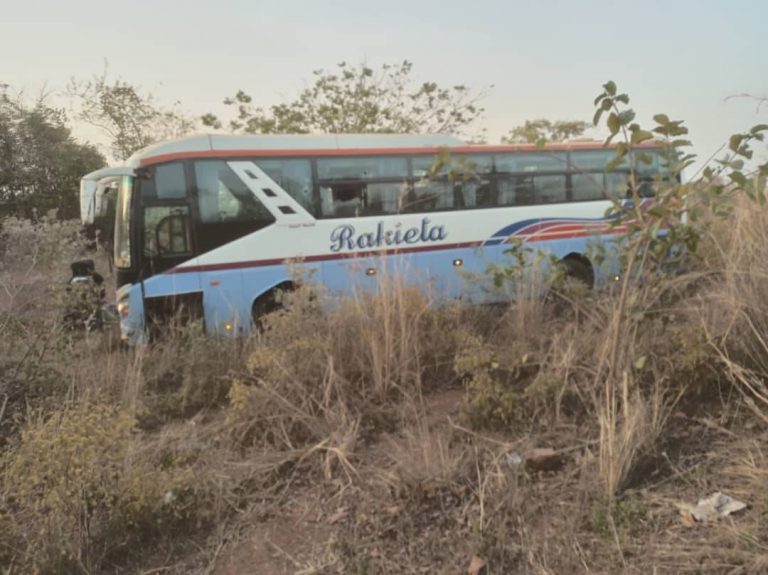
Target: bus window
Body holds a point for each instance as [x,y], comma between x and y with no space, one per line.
[617,185]
[294,176]
[468,165]
[223,197]
[386,198]
[526,190]
[470,188]
[477,193]
[429,195]
[550,189]
[591,160]
[531,162]
[353,199]
[515,191]
[167,183]
[362,168]
[342,200]
[646,161]
[352,187]
[227,209]
[167,231]
[586,187]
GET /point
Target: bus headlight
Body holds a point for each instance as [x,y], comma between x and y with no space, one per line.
[123,308]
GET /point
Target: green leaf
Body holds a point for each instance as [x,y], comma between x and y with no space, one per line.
[639,136]
[758,128]
[598,114]
[735,141]
[738,178]
[645,158]
[640,362]
[610,88]
[661,119]
[626,117]
[614,124]
[617,160]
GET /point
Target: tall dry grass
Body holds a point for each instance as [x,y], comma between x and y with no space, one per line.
[738,323]
[196,431]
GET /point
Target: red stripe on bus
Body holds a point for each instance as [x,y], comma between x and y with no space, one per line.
[319,258]
[245,153]
[568,233]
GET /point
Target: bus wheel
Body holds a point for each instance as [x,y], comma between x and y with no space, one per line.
[268,303]
[579,269]
[577,277]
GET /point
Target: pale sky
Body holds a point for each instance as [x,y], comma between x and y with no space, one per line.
[545,58]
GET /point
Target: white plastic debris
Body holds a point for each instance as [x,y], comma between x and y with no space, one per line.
[716,505]
[514,459]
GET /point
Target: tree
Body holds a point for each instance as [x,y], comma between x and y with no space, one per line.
[359,99]
[40,162]
[130,118]
[544,131]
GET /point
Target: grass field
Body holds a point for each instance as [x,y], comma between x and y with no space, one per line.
[390,435]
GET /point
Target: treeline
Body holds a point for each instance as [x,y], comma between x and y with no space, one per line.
[40,162]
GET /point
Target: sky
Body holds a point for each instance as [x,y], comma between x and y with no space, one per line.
[545,58]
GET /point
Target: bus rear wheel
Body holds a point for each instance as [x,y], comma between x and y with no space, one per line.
[268,303]
[578,269]
[577,277]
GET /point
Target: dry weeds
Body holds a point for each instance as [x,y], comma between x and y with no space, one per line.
[340,429]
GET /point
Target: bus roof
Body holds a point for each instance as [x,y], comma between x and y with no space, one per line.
[219,145]
[286,143]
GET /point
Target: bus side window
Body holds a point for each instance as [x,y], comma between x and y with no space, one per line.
[429,195]
[342,200]
[360,186]
[550,189]
[477,193]
[386,198]
[515,191]
[587,186]
[294,176]
[223,197]
[617,185]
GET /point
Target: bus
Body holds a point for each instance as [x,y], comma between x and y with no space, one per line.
[217,224]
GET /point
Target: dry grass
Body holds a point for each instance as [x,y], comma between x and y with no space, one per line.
[163,458]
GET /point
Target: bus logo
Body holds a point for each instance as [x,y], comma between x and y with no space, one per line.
[345,237]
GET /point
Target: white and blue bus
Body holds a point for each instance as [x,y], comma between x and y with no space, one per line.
[214,224]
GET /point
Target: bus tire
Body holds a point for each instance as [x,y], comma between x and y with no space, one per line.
[268,303]
[578,268]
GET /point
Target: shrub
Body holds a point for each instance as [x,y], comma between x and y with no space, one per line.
[76,491]
[317,380]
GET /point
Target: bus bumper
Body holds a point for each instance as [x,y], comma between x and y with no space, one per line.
[130,307]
